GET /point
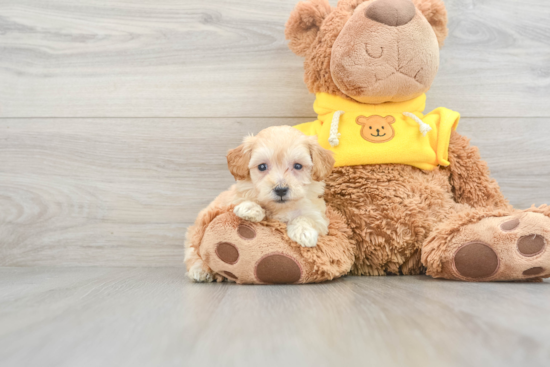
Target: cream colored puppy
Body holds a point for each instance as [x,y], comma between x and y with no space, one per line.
[279,175]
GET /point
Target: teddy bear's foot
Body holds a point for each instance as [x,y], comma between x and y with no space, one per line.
[262,253]
[497,248]
[247,252]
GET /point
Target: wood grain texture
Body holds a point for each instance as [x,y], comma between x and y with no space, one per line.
[169,58]
[121,192]
[156,317]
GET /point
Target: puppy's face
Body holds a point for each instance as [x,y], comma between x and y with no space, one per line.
[280,162]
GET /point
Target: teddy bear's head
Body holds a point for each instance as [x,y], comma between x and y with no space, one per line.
[372,51]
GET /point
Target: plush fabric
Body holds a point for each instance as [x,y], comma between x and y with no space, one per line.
[331,258]
[375,63]
[486,227]
[451,221]
[313,28]
[366,136]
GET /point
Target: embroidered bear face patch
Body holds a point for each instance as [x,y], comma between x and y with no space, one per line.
[376,129]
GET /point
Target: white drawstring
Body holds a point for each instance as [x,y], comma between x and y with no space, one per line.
[334,134]
[424,127]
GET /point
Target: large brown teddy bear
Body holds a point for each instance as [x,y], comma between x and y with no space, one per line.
[409,195]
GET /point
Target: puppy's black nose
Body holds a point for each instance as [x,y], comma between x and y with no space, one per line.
[280,191]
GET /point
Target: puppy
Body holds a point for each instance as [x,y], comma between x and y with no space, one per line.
[279,175]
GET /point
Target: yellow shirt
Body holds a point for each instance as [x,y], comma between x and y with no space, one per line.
[382,134]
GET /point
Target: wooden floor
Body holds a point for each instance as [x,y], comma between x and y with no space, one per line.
[115,118]
[156,317]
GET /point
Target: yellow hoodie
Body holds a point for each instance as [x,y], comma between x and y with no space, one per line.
[398,133]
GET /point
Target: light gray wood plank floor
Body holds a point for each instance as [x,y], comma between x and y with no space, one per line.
[156,317]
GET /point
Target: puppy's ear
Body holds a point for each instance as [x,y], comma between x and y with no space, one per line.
[304,23]
[238,159]
[436,14]
[323,160]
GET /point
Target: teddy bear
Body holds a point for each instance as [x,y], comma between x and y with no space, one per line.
[408,194]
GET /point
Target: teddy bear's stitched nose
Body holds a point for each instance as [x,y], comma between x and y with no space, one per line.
[391,12]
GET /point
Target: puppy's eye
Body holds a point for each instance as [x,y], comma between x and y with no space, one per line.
[297,166]
[262,167]
[370,127]
[382,127]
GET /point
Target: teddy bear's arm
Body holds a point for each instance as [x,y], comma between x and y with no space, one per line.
[470,177]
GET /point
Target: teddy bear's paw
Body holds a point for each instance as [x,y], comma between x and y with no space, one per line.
[250,211]
[250,253]
[303,233]
[503,248]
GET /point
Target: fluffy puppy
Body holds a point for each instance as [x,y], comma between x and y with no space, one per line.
[279,174]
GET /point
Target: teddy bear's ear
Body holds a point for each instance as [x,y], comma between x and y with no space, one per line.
[436,14]
[389,119]
[304,23]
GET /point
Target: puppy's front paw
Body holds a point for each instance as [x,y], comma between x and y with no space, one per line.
[303,233]
[198,274]
[249,211]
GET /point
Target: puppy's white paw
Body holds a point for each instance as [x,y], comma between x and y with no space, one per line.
[303,233]
[198,274]
[249,211]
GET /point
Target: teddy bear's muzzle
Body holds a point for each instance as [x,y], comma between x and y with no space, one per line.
[391,12]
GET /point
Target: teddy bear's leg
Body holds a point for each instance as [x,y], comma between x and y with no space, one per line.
[479,245]
[262,253]
[247,252]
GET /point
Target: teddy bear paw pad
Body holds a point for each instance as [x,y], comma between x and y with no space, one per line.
[227,252]
[476,260]
[230,275]
[537,270]
[246,232]
[510,225]
[531,245]
[278,269]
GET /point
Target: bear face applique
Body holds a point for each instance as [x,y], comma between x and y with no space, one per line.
[376,129]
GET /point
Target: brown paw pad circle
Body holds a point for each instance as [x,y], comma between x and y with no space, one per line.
[509,225]
[227,252]
[246,232]
[230,275]
[534,271]
[278,269]
[531,245]
[476,260]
